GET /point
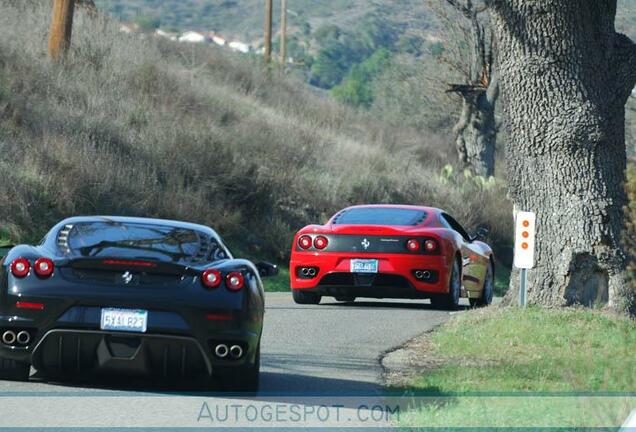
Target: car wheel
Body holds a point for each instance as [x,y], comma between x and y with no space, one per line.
[489,285]
[13,370]
[451,300]
[346,299]
[244,379]
[305,298]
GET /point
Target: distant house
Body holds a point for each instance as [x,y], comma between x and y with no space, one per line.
[193,37]
[167,35]
[217,39]
[240,47]
[127,28]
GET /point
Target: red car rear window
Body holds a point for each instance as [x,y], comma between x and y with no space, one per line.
[380,216]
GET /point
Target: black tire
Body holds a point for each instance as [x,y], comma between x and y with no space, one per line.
[12,370]
[450,301]
[346,299]
[489,286]
[244,379]
[306,298]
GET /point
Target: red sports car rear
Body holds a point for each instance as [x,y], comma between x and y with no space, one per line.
[388,252]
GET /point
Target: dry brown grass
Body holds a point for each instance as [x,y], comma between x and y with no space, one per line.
[141,127]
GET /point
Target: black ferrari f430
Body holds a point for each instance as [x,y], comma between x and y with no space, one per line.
[131,296]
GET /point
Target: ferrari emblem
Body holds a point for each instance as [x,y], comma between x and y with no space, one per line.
[127,277]
[365,244]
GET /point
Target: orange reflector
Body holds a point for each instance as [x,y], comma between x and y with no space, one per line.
[525,234]
[218,317]
[524,245]
[526,223]
[27,305]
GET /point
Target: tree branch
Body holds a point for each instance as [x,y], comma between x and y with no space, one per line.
[625,60]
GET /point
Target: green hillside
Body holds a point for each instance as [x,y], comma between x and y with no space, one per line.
[137,126]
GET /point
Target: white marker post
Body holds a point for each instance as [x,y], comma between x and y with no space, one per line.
[525,228]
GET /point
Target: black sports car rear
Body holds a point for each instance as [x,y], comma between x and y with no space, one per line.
[131,296]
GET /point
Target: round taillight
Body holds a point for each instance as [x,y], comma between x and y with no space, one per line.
[321,242]
[43,267]
[430,245]
[20,267]
[413,245]
[234,281]
[211,278]
[304,242]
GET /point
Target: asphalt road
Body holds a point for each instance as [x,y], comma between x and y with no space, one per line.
[332,348]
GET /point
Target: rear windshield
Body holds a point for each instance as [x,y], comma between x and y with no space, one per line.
[380,216]
[149,241]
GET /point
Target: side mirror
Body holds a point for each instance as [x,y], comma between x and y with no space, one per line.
[266,269]
[482,233]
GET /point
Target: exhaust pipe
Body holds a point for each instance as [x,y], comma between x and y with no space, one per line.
[305,271]
[426,275]
[311,272]
[23,337]
[236,351]
[221,350]
[418,274]
[8,337]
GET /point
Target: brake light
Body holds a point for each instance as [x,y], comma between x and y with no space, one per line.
[234,281]
[211,278]
[413,245]
[321,242]
[20,267]
[430,246]
[44,268]
[304,242]
[29,305]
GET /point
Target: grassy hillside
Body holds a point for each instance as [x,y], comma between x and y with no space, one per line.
[134,126]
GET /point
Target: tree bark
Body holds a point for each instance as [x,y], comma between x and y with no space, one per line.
[476,129]
[565,76]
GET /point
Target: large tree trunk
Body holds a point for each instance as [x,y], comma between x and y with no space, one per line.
[565,76]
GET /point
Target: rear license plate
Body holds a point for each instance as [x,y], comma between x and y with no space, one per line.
[364,266]
[129,320]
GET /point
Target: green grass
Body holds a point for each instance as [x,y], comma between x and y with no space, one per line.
[533,350]
[279,283]
[502,280]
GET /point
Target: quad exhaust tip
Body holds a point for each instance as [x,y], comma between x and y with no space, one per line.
[308,272]
[8,337]
[236,351]
[221,350]
[23,337]
[423,274]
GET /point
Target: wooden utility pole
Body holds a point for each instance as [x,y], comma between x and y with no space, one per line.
[283,32]
[269,11]
[61,28]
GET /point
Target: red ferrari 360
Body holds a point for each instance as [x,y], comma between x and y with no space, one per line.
[391,251]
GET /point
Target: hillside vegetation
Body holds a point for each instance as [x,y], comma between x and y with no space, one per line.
[134,126]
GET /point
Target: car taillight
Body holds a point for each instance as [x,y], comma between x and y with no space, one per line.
[44,267]
[304,242]
[430,246]
[320,242]
[20,267]
[234,281]
[413,245]
[211,278]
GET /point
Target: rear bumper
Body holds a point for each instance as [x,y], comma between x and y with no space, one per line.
[67,339]
[395,277]
[81,351]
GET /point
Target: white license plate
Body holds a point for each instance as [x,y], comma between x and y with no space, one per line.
[364,266]
[129,320]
